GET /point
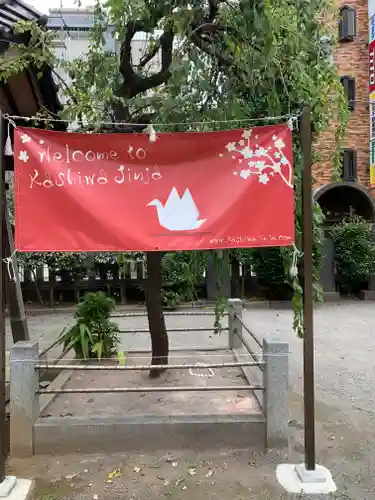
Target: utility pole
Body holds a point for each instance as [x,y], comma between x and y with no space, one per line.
[308,298]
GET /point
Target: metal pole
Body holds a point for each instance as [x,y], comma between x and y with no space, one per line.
[174,313]
[197,329]
[3,440]
[234,364]
[308,307]
[186,388]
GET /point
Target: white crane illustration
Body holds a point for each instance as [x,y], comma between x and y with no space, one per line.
[178,214]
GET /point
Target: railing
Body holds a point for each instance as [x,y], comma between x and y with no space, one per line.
[46,366]
[43,353]
[246,344]
[27,365]
[174,313]
[194,329]
[46,350]
[249,331]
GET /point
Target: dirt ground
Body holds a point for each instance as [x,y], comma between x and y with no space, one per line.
[345,431]
[158,403]
[220,476]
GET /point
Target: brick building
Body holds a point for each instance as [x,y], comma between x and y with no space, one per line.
[352,58]
[355,57]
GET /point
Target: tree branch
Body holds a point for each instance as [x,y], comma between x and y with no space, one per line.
[149,55]
[126,67]
[213,10]
[133,83]
[210,50]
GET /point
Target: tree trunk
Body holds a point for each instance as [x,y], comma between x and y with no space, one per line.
[236,278]
[38,293]
[159,336]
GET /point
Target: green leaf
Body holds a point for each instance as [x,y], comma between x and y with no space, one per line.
[85,335]
[121,358]
[98,349]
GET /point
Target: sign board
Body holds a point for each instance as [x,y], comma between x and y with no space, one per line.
[185,191]
[371,66]
[371,29]
[372,115]
[372,162]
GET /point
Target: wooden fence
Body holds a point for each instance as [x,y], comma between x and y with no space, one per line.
[42,286]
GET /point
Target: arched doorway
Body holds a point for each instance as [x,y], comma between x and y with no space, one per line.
[336,201]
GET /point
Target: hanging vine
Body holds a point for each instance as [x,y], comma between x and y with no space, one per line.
[218,61]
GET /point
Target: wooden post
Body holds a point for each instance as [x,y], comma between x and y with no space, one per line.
[2,306]
[14,299]
[308,299]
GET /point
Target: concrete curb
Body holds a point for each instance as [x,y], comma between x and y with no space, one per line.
[148,433]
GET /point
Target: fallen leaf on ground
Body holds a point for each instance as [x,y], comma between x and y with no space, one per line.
[114,473]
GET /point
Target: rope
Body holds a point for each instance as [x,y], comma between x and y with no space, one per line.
[293,116]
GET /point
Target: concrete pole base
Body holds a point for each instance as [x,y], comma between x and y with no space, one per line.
[297,479]
[16,489]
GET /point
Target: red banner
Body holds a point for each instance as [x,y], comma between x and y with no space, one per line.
[371,52]
[185,191]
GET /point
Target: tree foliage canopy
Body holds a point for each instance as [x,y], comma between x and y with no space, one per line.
[207,61]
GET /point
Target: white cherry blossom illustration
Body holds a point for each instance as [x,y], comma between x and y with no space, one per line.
[245,173]
[231,146]
[25,138]
[263,178]
[279,143]
[23,156]
[265,163]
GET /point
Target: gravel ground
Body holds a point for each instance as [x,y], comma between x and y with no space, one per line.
[344,413]
[344,354]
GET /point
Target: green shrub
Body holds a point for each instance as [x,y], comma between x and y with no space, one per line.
[171,299]
[354,252]
[268,265]
[94,307]
[182,274]
[93,334]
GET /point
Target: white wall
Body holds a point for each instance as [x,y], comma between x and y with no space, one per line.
[371,8]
